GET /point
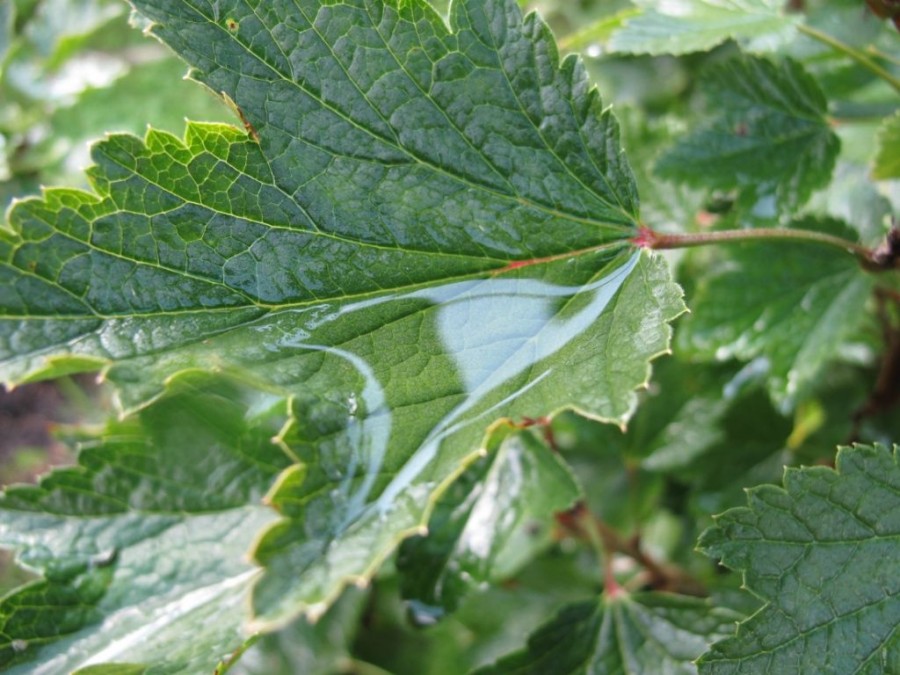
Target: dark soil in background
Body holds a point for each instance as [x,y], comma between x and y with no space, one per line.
[27,416]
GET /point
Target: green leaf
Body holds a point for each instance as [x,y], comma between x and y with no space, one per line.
[114,669]
[487,625]
[145,541]
[488,524]
[640,633]
[792,305]
[852,196]
[621,493]
[596,32]
[887,160]
[374,478]
[57,27]
[320,648]
[767,134]
[684,26]
[820,551]
[423,230]
[667,205]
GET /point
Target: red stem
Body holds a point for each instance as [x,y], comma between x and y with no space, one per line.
[871,259]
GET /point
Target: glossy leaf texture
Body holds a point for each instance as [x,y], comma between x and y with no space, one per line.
[685,26]
[766,133]
[819,551]
[421,230]
[887,159]
[791,305]
[487,525]
[377,462]
[146,539]
[639,633]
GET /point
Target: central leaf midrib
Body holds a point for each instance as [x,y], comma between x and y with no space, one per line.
[268,308]
[251,301]
[767,142]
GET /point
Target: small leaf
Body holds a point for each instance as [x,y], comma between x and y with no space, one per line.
[684,26]
[489,523]
[621,494]
[768,133]
[822,552]
[143,542]
[793,305]
[320,648]
[887,160]
[640,633]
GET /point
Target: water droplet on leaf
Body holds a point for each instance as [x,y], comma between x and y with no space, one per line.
[422,614]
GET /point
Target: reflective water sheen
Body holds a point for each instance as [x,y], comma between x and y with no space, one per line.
[399,376]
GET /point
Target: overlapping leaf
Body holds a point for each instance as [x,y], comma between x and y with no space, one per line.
[490,522]
[821,552]
[793,305]
[376,472]
[684,26]
[640,633]
[767,133]
[321,648]
[145,541]
[421,231]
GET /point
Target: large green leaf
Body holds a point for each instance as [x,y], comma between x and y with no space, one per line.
[640,633]
[684,26]
[146,540]
[422,231]
[766,133]
[822,552]
[793,305]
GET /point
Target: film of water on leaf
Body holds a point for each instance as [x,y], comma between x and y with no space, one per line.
[471,321]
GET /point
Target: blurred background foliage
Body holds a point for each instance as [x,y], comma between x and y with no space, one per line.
[73,70]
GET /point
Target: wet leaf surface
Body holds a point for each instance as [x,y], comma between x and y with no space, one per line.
[420,230]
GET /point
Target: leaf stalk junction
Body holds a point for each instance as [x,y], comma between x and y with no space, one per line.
[884,257]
